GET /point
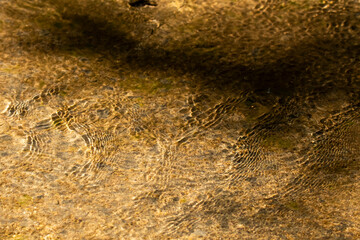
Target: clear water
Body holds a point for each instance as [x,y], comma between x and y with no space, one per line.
[160,122]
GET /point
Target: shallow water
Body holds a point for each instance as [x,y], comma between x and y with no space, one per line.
[117,127]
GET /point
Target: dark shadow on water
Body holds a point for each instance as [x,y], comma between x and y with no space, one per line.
[305,66]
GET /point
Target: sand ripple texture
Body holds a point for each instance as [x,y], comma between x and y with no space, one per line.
[179,120]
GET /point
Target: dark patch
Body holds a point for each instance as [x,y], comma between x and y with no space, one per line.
[6,138]
[142,3]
